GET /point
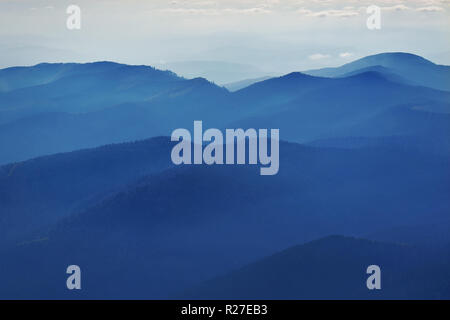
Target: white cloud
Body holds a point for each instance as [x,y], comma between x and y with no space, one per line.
[399,7]
[345,54]
[345,13]
[190,11]
[215,12]
[248,10]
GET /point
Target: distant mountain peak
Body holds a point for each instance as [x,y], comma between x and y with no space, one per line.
[296,75]
[392,57]
[369,75]
[201,80]
[397,66]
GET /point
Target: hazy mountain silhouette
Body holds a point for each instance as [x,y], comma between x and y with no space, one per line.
[386,72]
[44,190]
[409,66]
[54,132]
[84,109]
[43,73]
[77,88]
[220,72]
[241,84]
[308,108]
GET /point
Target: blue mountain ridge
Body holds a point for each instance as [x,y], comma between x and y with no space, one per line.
[406,65]
[86,178]
[305,108]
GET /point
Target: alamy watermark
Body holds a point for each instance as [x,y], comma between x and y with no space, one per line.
[374,280]
[235,140]
[73,21]
[374,20]
[74,280]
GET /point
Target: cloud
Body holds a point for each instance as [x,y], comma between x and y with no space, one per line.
[319,56]
[345,54]
[249,10]
[344,13]
[191,11]
[398,7]
[430,9]
[215,12]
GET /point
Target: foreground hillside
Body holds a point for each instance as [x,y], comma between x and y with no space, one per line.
[163,233]
[335,268]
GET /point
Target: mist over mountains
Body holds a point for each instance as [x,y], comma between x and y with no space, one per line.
[414,69]
[86,178]
[83,109]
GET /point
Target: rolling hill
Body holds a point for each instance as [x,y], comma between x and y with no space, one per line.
[310,108]
[162,233]
[404,65]
[44,190]
[80,88]
[335,268]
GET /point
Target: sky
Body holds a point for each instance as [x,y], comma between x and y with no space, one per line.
[258,37]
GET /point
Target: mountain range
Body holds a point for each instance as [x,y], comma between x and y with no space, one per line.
[72,108]
[86,178]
